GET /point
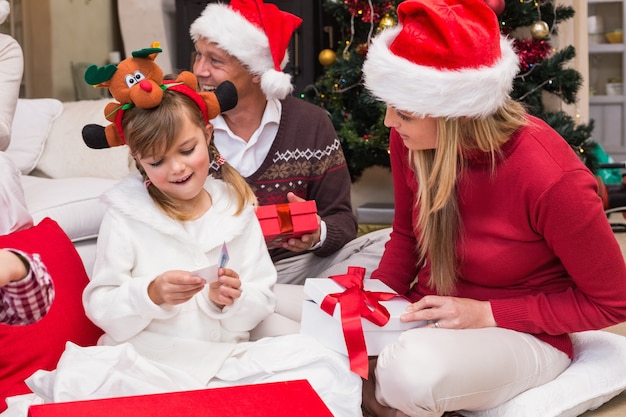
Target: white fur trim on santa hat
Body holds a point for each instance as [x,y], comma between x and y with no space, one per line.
[424,90]
[276,84]
[233,33]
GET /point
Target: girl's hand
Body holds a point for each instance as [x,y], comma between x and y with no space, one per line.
[226,289]
[450,312]
[174,287]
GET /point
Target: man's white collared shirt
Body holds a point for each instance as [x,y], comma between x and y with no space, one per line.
[247,157]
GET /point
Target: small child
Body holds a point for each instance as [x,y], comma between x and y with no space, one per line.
[26,289]
[174,218]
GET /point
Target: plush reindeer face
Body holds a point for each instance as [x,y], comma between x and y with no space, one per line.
[135,80]
[138,81]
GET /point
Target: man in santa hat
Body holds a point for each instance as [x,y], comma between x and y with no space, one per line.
[286,148]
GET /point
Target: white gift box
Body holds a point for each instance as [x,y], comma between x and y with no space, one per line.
[327,329]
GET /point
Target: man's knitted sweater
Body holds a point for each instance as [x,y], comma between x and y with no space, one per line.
[306,158]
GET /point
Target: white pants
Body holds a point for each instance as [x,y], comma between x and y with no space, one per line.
[286,318]
[364,251]
[429,371]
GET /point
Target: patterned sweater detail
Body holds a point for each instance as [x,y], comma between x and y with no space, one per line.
[313,167]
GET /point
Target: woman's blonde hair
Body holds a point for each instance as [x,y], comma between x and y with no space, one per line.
[154,131]
[437,171]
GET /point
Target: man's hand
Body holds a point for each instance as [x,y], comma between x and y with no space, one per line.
[305,242]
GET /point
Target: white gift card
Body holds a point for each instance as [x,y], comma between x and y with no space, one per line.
[209,273]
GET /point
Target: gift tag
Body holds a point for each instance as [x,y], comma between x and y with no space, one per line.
[224,256]
[209,273]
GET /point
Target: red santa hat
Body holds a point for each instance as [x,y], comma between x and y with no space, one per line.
[257,34]
[445,58]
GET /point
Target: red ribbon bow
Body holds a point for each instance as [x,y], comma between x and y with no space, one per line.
[357,303]
[284,218]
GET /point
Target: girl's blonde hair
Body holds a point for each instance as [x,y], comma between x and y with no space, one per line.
[154,131]
[437,170]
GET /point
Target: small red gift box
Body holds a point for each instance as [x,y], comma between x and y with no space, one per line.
[283,221]
[277,399]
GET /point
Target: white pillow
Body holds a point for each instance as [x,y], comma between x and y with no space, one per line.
[66,154]
[31,125]
[74,203]
[597,374]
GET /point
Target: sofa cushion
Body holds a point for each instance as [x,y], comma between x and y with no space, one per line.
[31,126]
[597,374]
[74,203]
[26,349]
[66,155]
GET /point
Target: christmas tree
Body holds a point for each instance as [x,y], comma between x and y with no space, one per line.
[358,117]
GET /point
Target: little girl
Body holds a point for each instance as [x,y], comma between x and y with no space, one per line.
[172,219]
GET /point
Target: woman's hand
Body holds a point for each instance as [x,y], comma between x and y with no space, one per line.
[450,312]
[174,287]
[305,242]
[226,289]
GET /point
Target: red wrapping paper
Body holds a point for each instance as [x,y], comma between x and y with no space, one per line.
[281,222]
[277,399]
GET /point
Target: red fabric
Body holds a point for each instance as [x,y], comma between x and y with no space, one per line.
[602,192]
[276,399]
[446,35]
[356,303]
[277,25]
[26,349]
[536,242]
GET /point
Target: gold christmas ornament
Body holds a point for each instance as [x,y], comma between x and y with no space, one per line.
[386,22]
[539,29]
[327,57]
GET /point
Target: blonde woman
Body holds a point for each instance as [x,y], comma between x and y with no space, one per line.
[499,236]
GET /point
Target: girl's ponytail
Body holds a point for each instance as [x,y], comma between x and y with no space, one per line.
[221,169]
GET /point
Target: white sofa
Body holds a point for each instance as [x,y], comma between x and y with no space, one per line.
[63,178]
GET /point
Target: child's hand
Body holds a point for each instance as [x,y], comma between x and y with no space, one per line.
[226,289]
[174,287]
[13,269]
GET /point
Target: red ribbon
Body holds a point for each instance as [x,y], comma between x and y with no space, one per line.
[357,303]
[284,218]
